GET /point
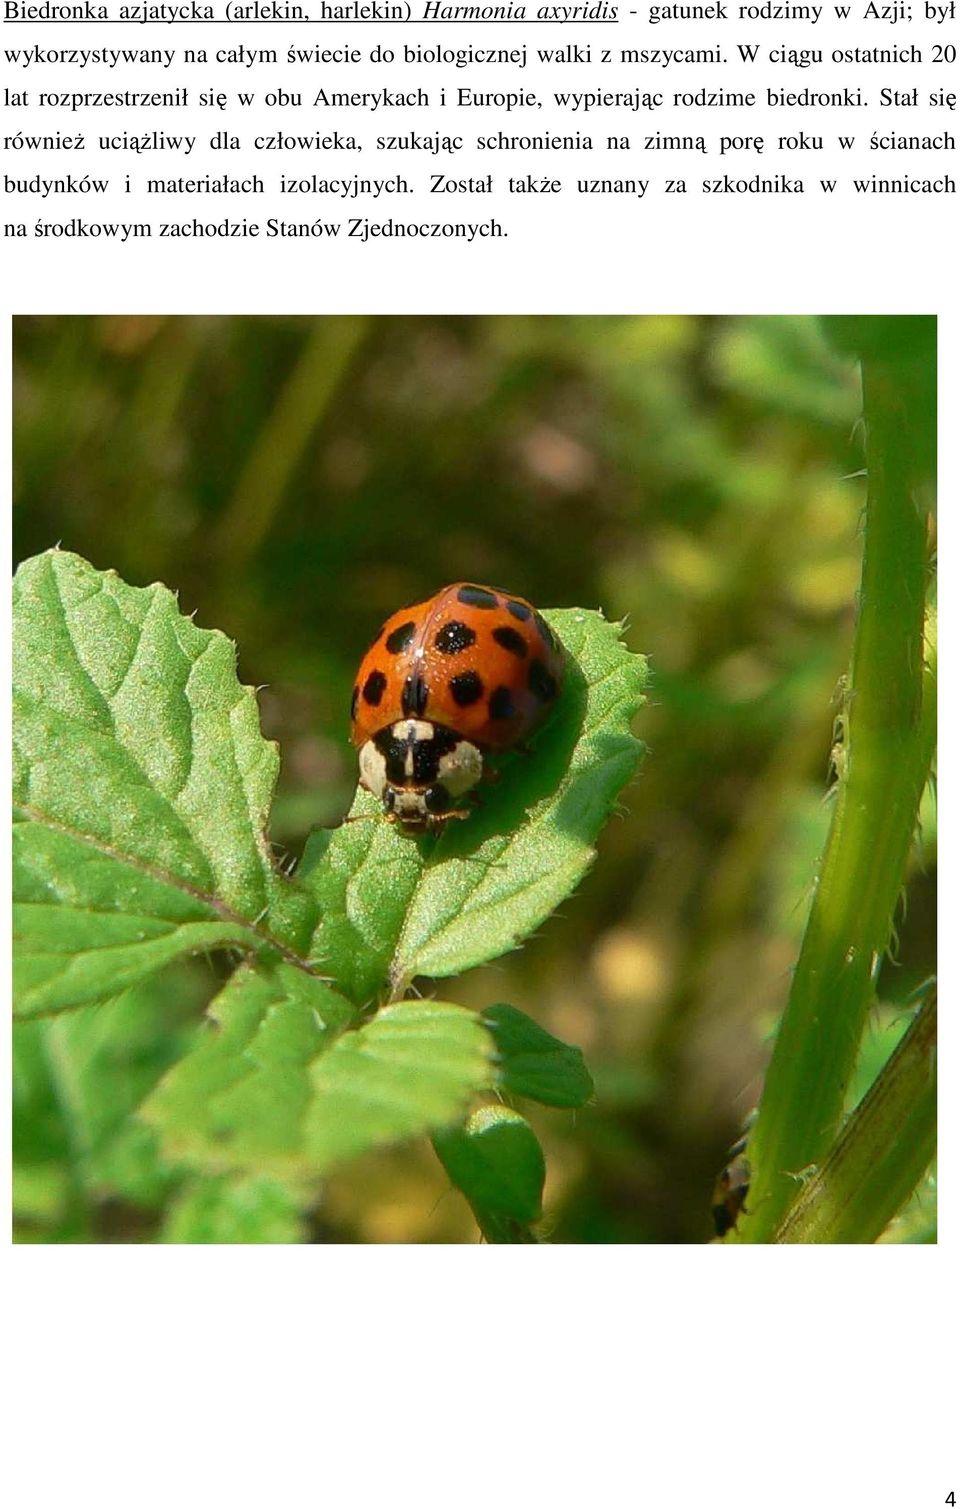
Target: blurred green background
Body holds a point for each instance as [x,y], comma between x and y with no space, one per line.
[297,479]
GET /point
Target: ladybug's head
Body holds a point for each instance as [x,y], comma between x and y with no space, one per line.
[419,771]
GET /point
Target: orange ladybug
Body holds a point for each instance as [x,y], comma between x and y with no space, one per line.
[467,673]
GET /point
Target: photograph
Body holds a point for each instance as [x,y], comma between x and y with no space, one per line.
[474,779]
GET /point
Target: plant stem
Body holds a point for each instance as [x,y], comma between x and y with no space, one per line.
[882,1152]
[889,729]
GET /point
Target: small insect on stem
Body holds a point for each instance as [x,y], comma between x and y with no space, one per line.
[730,1192]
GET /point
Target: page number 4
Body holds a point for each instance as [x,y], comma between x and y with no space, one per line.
[951,1499]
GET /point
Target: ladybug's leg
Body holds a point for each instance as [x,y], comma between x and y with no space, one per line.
[457,812]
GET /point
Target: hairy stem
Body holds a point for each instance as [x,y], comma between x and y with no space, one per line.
[882,1152]
[889,728]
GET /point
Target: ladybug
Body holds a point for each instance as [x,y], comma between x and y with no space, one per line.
[467,673]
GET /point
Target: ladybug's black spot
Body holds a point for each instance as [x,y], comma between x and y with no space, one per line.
[466,688]
[394,753]
[427,754]
[519,610]
[545,632]
[541,683]
[401,637]
[454,637]
[426,762]
[415,693]
[437,799]
[501,703]
[477,597]
[509,639]
[353,701]
[374,688]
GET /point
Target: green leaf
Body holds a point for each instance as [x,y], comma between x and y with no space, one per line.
[276,1081]
[412,1069]
[534,1063]
[394,907]
[105,1059]
[248,1210]
[143,784]
[88,925]
[79,1079]
[496,1161]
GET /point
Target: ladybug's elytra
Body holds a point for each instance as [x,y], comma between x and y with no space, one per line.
[471,671]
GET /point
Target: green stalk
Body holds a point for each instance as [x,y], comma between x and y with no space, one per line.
[889,728]
[301,404]
[882,1152]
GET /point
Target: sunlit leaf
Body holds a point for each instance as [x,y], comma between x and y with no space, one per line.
[87,925]
[143,786]
[233,1210]
[239,1094]
[275,1079]
[414,1068]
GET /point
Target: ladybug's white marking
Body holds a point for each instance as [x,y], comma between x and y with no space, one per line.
[373,770]
[430,787]
[461,769]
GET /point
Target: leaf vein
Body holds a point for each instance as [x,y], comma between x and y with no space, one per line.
[154,872]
